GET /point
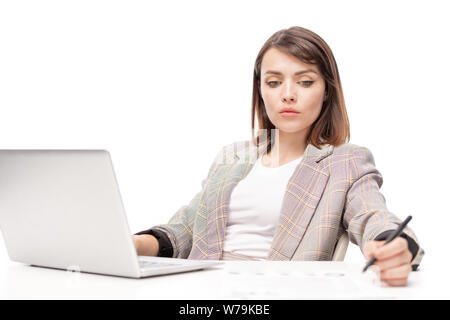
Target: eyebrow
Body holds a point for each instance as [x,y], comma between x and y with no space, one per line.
[295,74]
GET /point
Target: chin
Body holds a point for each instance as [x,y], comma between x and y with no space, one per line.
[291,129]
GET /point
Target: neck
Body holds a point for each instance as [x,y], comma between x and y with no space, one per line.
[287,146]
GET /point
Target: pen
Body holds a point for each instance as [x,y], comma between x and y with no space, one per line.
[391,237]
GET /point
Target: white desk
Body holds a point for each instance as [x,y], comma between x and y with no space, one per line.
[232,280]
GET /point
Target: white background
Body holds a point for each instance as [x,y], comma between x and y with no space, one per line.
[164,85]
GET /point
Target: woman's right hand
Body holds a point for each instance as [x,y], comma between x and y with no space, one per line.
[146,245]
[136,242]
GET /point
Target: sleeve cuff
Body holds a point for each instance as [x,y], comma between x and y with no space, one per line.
[165,247]
[412,245]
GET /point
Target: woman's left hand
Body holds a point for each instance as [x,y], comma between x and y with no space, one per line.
[393,260]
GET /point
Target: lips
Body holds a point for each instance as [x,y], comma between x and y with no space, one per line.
[289,113]
[288,110]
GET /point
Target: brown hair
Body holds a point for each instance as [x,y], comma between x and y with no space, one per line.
[332,125]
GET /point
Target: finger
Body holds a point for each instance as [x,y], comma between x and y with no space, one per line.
[393,248]
[370,248]
[399,272]
[397,282]
[395,261]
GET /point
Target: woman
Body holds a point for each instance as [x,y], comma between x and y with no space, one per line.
[291,192]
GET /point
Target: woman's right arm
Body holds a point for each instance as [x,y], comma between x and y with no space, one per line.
[146,245]
[175,238]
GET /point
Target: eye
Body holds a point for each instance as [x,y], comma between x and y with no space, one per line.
[307,83]
[275,83]
[272,83]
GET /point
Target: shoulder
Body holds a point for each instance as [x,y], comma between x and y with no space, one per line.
[349,148]
[236,150]
[353,159]
[353,151]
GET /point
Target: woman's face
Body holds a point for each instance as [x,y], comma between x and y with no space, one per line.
[287,82]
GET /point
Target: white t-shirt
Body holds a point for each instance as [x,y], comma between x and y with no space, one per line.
[254,211]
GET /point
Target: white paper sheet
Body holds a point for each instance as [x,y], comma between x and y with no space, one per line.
[261,282]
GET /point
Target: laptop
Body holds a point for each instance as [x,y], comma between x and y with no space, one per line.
[62,209]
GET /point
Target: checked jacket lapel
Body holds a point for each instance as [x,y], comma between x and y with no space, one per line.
[218,198]
[302,195]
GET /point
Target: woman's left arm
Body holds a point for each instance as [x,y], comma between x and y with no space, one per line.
[368,222]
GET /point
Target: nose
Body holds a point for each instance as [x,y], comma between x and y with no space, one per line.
[288,99]
[288,95]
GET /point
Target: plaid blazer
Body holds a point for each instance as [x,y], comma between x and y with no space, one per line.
[332,190]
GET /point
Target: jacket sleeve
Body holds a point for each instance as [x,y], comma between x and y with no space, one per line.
[366,216]
[175,237]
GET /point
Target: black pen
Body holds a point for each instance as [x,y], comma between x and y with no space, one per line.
[391,237]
